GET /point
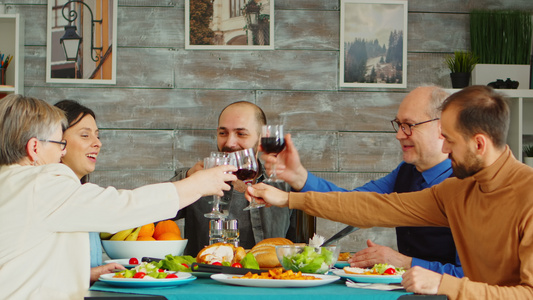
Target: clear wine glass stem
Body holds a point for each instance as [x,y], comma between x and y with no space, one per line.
[253,204]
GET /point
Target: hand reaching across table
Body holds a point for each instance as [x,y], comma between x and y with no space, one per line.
[289,168]
[378,254]
[267,194]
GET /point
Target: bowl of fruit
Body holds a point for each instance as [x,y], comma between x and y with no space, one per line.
[151,240]
[307,259]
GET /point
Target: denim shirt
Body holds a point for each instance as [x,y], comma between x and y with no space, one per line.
[96,249]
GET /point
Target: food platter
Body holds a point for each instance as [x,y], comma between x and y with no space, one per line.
[183,278]
[124,261]
[276,283]
[369,278]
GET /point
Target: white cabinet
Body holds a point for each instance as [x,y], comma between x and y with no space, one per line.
[521,123]
[12,42]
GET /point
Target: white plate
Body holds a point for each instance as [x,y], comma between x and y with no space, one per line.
[369,278]
[228,279]
[125,262]
[183,278]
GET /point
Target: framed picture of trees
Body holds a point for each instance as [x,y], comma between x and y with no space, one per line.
[373,43]
[229,24]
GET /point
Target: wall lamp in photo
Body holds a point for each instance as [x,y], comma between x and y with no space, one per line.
[71,40]
[252,13]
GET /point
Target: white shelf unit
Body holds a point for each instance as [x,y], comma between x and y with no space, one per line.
[12,42]
[521,123]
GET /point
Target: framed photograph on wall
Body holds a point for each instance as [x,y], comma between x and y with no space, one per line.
[82,41]
[373,49]
[229,24]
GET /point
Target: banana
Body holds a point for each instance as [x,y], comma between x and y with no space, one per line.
[105,235]
[133,236]
[121,235]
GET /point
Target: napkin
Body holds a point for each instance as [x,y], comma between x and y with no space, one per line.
[374,286]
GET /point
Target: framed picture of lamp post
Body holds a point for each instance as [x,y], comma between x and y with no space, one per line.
[81,41]
[373,43]
[229,24]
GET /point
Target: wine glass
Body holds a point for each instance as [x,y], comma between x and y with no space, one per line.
[272,142]
[224,155]
[210,162]
[246,164]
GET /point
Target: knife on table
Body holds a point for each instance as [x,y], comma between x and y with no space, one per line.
[151,259]
[196,267]
[339,235]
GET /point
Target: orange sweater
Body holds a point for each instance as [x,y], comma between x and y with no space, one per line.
[490,215]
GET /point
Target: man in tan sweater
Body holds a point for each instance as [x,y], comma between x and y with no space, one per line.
[488,207]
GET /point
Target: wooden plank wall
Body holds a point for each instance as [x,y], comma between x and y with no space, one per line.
[162,112]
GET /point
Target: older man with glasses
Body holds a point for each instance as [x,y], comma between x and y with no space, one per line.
[423,166]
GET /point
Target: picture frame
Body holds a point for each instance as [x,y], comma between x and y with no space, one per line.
[93,59]
[229,24]
[373,44]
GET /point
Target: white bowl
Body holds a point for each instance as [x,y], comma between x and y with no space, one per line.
[140,249]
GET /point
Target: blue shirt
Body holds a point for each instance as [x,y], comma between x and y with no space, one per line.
[96,249]
[385,185]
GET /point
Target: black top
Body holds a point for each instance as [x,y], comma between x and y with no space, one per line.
[428,243]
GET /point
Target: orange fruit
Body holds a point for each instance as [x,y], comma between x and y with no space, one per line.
[169,236]
[166,226]
[145,238]
[147,230]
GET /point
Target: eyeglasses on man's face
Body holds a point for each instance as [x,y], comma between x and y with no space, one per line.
[408,128]
[62,143]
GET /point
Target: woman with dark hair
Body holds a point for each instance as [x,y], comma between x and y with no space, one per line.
[83,147]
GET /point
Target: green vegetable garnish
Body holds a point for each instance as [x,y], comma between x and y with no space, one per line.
[249,262]
[175,263]
[310,260]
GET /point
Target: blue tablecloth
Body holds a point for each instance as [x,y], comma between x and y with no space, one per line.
[206,288]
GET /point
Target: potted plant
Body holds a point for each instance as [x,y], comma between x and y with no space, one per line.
[528,158]
[461,64]
[502,41]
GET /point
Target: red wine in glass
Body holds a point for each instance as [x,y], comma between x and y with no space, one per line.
[247,170]
[272,144]
[245,174]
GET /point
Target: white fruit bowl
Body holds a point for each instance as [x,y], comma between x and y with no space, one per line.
[140,249]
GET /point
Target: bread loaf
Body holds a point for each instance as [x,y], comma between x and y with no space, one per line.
[265,252]
[220,252]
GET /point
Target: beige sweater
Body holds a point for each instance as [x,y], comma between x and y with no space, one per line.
[490,215]
[45,214]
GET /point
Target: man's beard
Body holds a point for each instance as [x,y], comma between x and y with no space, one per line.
[471,166]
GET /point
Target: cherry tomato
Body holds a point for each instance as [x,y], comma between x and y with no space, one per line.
[160,270]
[236,265]
[134,261]
[185,265]
[390,271]
[172,276]
[139,275]
[217,263]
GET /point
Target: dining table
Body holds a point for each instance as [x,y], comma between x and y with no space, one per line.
[204,287]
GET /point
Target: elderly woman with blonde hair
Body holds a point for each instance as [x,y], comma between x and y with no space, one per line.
[47,213]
